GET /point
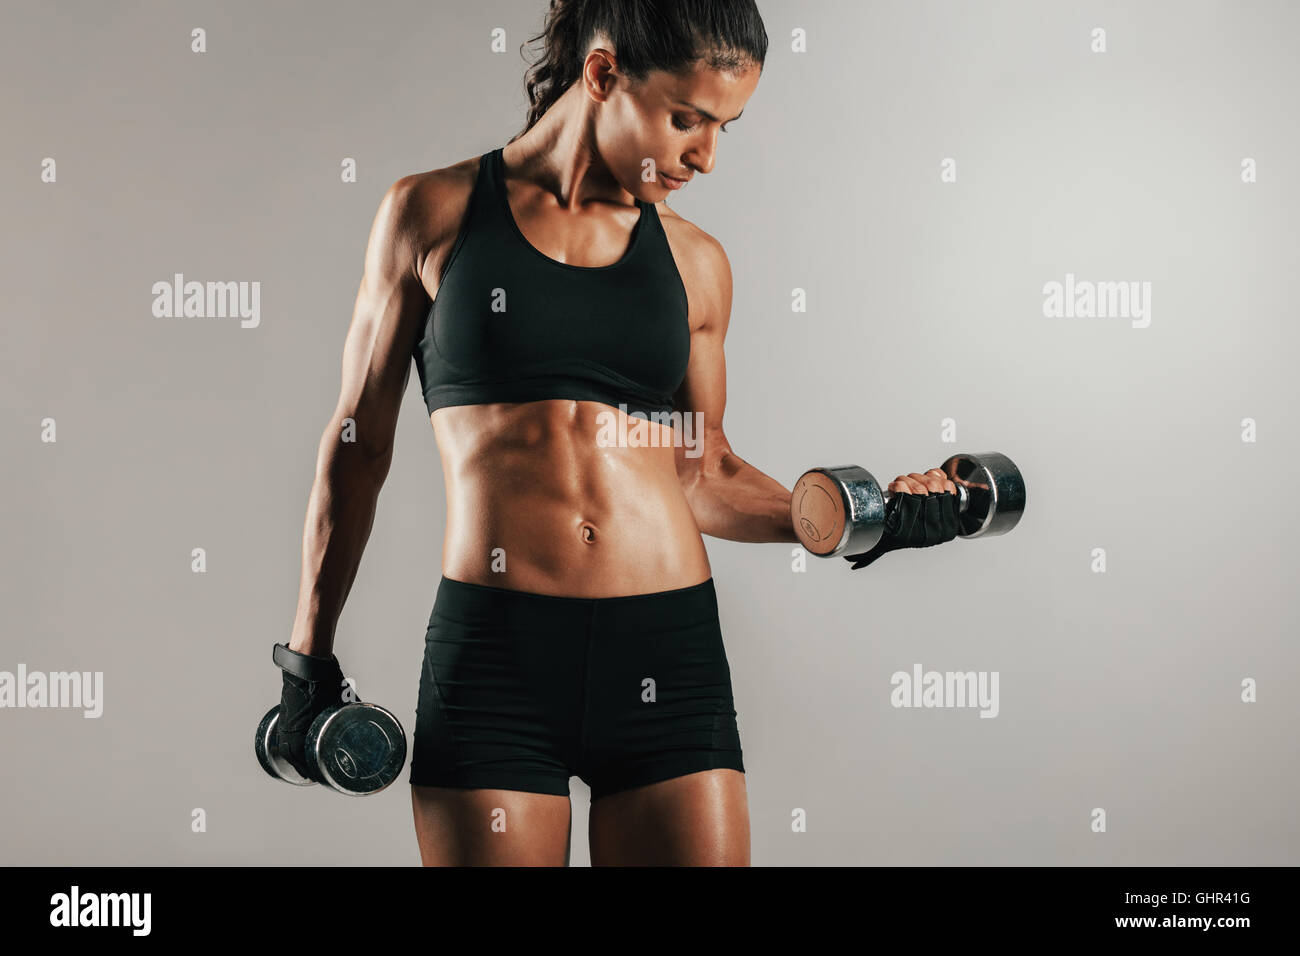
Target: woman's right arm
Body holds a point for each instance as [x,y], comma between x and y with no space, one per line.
[357,446]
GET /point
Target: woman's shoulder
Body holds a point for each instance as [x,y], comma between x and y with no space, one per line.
[692,245]
[436,199]
[429,206]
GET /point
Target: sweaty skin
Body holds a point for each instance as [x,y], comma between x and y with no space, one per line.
[578,519]
[571,517]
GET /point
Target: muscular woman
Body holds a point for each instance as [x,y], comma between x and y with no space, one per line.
[553,302]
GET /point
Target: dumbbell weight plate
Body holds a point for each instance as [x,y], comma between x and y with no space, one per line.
[356,749]
[268,751]
[838,510]
[995,492]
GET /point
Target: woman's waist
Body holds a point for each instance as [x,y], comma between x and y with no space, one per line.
[471,611]
[640,540]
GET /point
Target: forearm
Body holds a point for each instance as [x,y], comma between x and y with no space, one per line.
[340,515]
[732,499]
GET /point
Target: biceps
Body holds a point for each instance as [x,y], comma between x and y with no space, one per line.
[704,389]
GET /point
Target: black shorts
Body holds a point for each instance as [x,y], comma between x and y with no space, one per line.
[520,691]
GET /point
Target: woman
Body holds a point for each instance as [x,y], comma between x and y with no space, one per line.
[553,302]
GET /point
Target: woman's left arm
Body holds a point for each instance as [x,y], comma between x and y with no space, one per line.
[730,497]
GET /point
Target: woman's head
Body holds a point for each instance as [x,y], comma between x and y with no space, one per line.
[665,77]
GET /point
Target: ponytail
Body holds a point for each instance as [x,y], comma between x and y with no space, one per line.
[565,31]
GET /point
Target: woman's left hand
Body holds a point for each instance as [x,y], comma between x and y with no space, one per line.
[921,512]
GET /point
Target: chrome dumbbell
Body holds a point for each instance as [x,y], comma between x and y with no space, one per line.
[841,510]
[355,749]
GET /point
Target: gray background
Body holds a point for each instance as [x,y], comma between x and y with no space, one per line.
[1118,690]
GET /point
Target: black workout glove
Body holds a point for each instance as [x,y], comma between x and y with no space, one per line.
[311,684]
[913,521]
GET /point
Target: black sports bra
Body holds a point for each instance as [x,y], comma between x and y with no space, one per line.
[509,324]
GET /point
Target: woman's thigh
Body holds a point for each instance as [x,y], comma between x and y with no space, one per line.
[700,819]
[482,827]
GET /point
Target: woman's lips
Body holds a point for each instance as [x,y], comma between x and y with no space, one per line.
[672,183]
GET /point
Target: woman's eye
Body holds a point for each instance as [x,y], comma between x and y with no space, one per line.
[687,128]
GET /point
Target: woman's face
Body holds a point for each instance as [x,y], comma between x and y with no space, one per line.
[666,128]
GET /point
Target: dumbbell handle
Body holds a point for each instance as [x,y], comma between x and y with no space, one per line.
[963,496]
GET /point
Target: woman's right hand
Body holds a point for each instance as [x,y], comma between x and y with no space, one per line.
[311,685]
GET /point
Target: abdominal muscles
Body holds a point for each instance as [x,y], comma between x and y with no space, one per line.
[540,499]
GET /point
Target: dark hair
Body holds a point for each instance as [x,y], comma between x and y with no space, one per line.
[647,35]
